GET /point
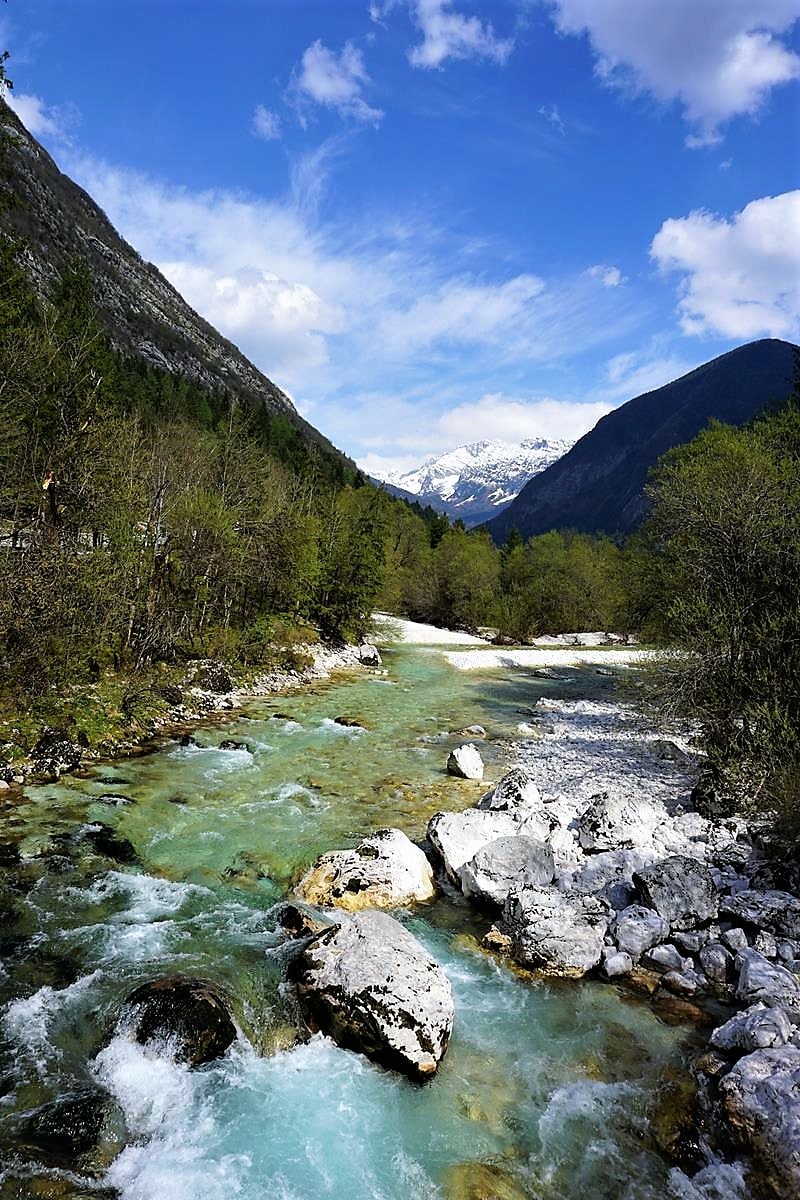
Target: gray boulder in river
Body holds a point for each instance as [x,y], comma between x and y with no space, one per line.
[498,866]
[680,889]
[515,793]
[562,934]
[456,837]
[761,1100]
[384,870]
[373,987]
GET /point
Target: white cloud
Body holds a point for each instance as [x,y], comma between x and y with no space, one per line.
[719,58]
[610,277]
[335,81]
[461,311]
[41,119]
[447,33]
[266,124]
[642,370]
[551,113]
[741,276]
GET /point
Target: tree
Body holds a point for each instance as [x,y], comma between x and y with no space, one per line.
[725,530]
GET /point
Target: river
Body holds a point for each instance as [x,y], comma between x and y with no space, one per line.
[547,1090]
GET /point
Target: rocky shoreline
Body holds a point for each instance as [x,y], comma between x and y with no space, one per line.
[209,691]
[590,857]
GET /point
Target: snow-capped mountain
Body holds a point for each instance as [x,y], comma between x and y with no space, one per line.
[476,482]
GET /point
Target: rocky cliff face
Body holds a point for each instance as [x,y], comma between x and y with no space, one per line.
[143,314]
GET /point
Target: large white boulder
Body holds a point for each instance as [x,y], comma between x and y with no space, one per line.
[385,870]
[373,987]
[457,837]
[497,867]
[761,1101]
[466,762]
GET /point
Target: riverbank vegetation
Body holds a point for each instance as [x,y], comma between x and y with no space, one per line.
[145,521]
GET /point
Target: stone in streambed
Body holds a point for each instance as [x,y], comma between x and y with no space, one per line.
[636,929]
[499,865]
[466,762]
[761,1101]
[373,987]
[619,823]
[515,793]
[778,912]
[481,1181]
[385,870]
[80,1129]
[189,1016]
[760,979]
[457,837]
[681,890]
[757,1028]
[562,934]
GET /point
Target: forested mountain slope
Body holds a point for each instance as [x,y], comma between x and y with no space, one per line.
[598,486]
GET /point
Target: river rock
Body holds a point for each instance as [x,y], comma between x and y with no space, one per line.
[779,912]
[466,762]
[373,987]
[636,929]
[385,870]
[213,677]
[680,889]
[559,933]
[68,1131]
[457,837]
[761,1100]
[665,957]
[616,963]
[760,979]
[757,1028]
[618,823]
[608,875]
[55,753]
[190,1016]
[369,655]
[735,939]
[516,792]
[717,962]
[497,866]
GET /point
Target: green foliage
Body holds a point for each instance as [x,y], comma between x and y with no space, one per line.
[725,529]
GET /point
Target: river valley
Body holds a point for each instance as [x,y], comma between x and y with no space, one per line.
[172,862]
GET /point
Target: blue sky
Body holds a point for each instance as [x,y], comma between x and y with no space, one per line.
[435,221]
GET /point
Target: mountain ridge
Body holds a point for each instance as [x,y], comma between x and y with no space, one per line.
[598,486]
[473,481]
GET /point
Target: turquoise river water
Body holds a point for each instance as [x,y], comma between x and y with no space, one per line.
[547,1090]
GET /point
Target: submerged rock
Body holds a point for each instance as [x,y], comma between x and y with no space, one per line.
[680,889]
[383,871]
[373,987]
[73,1130]
[466,762]
[559,933]
[189,1016]
[499,865]
[481,1181]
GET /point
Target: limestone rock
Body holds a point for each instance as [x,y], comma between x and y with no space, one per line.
[516,792]
[466,762]
[374,988]
[556,932]
[779,912]
[757,1028]
[665,957]
[369,655]
[618,823]
[761,1100]
[492,872]
[760,979]
[608,875]
[457,837]
[55,753]
[680,889]
[385,870]
[636,929]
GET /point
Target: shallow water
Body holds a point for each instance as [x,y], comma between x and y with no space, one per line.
[550,1085]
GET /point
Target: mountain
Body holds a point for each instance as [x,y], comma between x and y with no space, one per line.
[474,482]
[598,486]
[141,311]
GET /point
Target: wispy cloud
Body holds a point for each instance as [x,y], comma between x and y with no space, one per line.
[334,80]
[266,124]
[447,33]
